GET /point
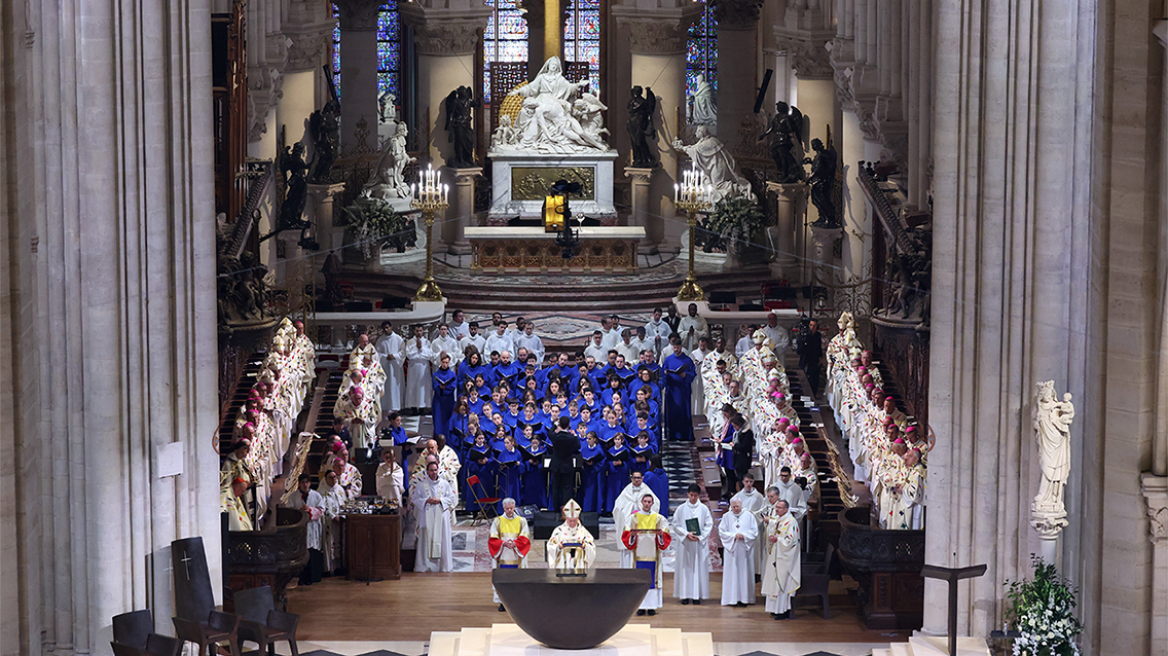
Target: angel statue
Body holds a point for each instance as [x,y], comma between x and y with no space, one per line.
[1052,428]
[786,142]
[460,105]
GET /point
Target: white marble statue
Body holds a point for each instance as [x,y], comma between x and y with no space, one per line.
[1052,427]
[703,108]
[505,134]
[552,119]
[388,179]
[714,159]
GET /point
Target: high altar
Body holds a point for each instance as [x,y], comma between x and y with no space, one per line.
[549,131]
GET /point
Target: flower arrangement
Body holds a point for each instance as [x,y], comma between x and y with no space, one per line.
[736,218]
[374,223]
[1042,611]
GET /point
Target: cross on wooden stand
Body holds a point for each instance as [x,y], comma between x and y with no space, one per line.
[952,575]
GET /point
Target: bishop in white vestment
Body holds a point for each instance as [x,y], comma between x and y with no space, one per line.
[781,578]
[738,531]
[571,546]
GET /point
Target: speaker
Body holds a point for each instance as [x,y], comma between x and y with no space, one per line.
[546,521]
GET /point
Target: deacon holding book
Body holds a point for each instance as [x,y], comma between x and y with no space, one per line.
[693,523]
[571,546]
[646,535]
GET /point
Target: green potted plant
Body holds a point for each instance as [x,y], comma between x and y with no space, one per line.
[1042,613]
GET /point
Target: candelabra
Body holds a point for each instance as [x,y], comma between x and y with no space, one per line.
[692,196]
[430,196]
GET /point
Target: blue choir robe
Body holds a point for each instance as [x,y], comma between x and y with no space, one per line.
[590,494]
[497,446]
[399,435]
[606,430]
[633,429]
[654,390]
[484,390]
[459,425]
[725,455]
[640,459]
[568,373]
[606,396]
[507,371]
[488,427]
[616,474]
[534,480]
[679,376]
[658,481]
[510,476]
[476,406]
[521,440]
[444,383]
[625,374]
[487,487]
[593,407]
[467,372]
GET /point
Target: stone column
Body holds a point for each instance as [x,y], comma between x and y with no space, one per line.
[323,197]
[358,23]
[657,41]
[1155,493]
[640,179]
[536,19]
[823,241]
[1006,298]
[445,37]
[461,212]
[790,206]
[737,69]
[108,298]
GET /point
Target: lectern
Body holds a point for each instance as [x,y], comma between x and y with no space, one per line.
[952,575]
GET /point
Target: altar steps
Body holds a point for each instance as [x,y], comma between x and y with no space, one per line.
[558,293]
[919,645]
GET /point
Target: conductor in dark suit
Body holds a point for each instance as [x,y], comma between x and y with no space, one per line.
[564,447]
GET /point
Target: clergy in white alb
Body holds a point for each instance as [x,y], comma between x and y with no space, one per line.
[446,343]
[434,503]
[459,328]
[419,383]
[781,577]
[330,526]
[390,477]
[645,535]
[738,532]
[657,333]
[780,337]
[792,493]
[530,341]
[692,328]
[509,542]
[596,349]
[391,350]
[629,502]
[500,340]
[309,500]
[363,348]
[473,338]
[755,503]
[692,523]
[571,546]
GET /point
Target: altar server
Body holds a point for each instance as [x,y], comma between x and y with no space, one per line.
[693,523]
[692,328]
[530,341]
[473,338]
[645,534]
[391,351]
[418,360]
[509,542]
[738,531]
[500,340]
[657,333]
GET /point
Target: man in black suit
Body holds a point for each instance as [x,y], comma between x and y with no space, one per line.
[564,447]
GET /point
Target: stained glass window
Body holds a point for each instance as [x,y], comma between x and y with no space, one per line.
[701,57]
[582,38]
[504,40]
[388,50]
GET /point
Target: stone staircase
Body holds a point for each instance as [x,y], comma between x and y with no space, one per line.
[935,646]
[558,293]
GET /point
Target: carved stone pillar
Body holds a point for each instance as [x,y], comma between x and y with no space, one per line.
[533,13]
[657,42]
[1155,492]
[323,197]
[737,69]
[461,212]
[790,204]
[445,37]
[824,241]
[358,23]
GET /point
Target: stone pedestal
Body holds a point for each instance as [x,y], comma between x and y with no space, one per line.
[640,179]
[323,198]
[521,181]
[823,256]
[790,205]
[461,212]
[358,25]
[1155,492]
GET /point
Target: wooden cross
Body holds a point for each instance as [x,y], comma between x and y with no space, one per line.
[952,575]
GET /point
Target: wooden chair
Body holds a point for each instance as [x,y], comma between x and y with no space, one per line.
[219,627]
[261,623]
[815,579]
[471,482]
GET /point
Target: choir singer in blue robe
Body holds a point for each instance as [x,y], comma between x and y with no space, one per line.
[679,376]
